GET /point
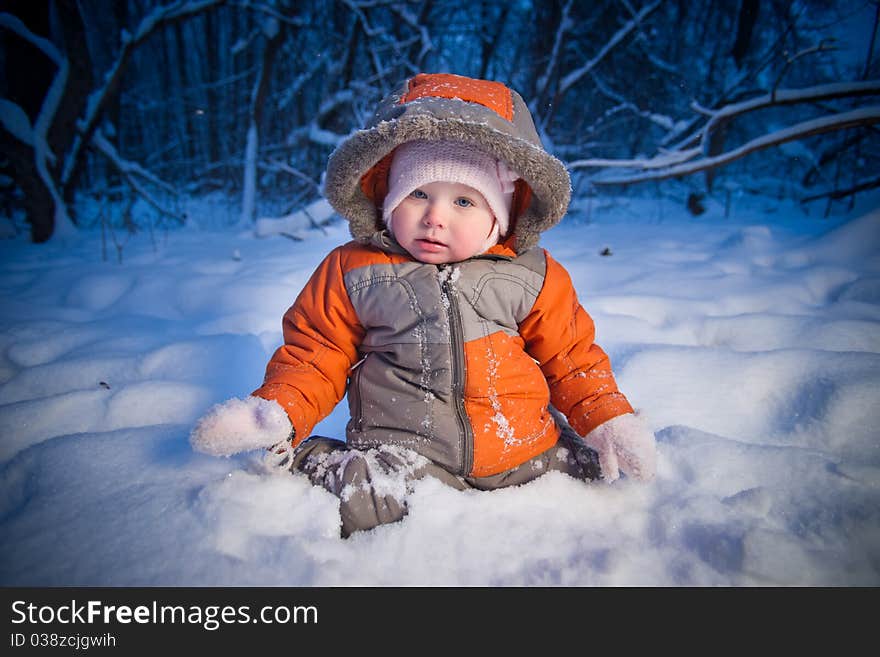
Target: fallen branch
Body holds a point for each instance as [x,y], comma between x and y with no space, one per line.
[696,143]
[780,97]
[855,118]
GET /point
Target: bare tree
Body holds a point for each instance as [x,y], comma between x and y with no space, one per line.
[58,169]
[34,146]
[273,30]
[570,78]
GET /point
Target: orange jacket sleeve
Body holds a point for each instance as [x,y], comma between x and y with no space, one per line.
[559,334]
[307,375]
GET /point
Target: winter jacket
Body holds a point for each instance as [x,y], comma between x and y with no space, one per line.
[458,362]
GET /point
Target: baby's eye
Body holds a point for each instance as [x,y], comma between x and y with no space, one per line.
[418,193]
[463,202]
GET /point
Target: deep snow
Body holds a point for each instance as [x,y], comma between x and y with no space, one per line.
[751,344]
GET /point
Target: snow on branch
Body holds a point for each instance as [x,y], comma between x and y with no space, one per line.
[860,117]
[313,130]
[130,171]
[424,35]
[665,159]
[16,121]
[816,93]
[356,8]
[14,24]
[295,86]
[574,76]
[100,98]
[790,97]
[665,122]
[284,167]
[127,167]
[670,162]
[43,155]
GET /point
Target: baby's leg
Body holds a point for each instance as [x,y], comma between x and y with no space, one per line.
[371,484]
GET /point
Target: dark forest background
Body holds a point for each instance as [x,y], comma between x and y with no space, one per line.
[141,104]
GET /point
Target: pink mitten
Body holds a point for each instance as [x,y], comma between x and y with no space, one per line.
[239,425]
[624,443]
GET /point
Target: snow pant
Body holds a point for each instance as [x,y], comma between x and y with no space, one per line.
[372,484]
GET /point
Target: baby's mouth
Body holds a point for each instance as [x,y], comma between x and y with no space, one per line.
[428,240]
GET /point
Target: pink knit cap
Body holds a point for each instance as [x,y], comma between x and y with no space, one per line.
[420,162]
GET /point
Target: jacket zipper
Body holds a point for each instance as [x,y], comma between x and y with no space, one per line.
[355,389]
[456,334]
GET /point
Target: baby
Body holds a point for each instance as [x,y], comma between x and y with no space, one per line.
[460,344]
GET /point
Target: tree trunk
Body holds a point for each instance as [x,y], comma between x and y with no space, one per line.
[214,68]
[258,100]
[870,54]
[26,86]
[715,147]
[76,92]
[416,56]
[185,111]
[37,199]
[490,45]
[745,24]
[350,53]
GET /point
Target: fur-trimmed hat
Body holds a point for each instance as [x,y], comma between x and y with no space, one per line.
[482,114]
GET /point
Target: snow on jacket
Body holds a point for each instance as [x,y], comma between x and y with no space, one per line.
[458,362]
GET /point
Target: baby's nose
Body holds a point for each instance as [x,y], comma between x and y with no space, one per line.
[434,215]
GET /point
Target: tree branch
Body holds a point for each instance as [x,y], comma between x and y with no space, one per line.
[572,78]
[838,194]
[855,118]
[829,91]
[43,156]
[99,100]
[131,169]
[697,141]
[564,25]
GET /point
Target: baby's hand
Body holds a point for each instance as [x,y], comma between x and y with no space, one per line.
[624,443]
[279,457]
[239,425]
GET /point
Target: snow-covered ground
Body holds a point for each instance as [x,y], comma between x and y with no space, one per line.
[752,344]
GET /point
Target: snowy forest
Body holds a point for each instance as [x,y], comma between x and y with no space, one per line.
[118,113]
[161,208]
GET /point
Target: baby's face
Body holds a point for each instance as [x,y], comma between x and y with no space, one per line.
[443,222]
